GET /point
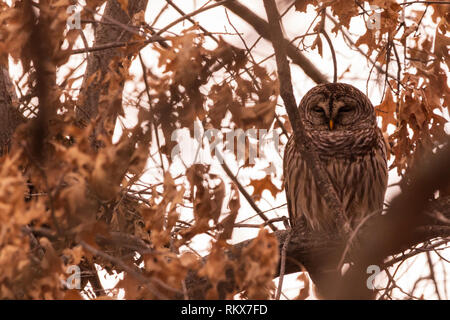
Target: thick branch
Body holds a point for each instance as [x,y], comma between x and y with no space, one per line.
[404,220]
[311,249]
[45,73]
[303,143]
[10,117]
[98,61]
[411,219]
[264,29]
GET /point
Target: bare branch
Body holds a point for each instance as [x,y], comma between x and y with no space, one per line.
[302,141]
[245,193]
[116,45]
[264,29]
[401,224]
[189,15]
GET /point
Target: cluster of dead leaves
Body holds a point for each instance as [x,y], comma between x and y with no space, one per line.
[253,268]
[417,106]
[79,203]
[181,95]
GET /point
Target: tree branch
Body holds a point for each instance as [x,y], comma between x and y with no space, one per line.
[245,193]
[264,29]
[409,216]
[98,61]
[10,117]
[303,143]
[310,250]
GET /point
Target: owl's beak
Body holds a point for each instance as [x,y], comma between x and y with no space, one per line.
[331,124]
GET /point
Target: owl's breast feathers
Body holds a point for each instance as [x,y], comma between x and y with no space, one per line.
[345,143]
[357,169]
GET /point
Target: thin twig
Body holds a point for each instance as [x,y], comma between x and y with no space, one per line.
[283,263]
[117,45]
[125,27]
[132,272]
[333,53]
[264,29]
[159,15]
[424,2]
[244,192]
[433,275]
[147,90]
[353,44]
[352,237]
[209,34]
[259,226]
[189,15]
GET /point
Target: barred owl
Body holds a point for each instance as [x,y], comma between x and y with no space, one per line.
[340,121]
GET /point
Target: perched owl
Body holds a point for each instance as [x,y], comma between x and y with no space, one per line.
[340,121]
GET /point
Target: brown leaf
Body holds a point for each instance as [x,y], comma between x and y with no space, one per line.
[317,44]
[258,265]
[228,222]
[190,260]
[345,10]
[301,5]
[260,185]
[387,110]
[304,292]
[369,40]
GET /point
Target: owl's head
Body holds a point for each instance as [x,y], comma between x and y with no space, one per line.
[336,107]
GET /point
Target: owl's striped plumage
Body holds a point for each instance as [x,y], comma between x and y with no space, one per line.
[340,121]
[353,152]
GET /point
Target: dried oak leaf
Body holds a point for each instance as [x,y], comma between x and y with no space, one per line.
[222,99]
[440,11]
[345,10]
[258,264]
[301,5]
[386,110]
[368,38]
[215,267]
[304,292]
[228,222]
[75,254]
[260,185]
[111,164]
[190,260]
[442,42]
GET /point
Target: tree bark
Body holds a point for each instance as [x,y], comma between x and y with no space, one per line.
[10,117]
[94,86]
[98,64]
